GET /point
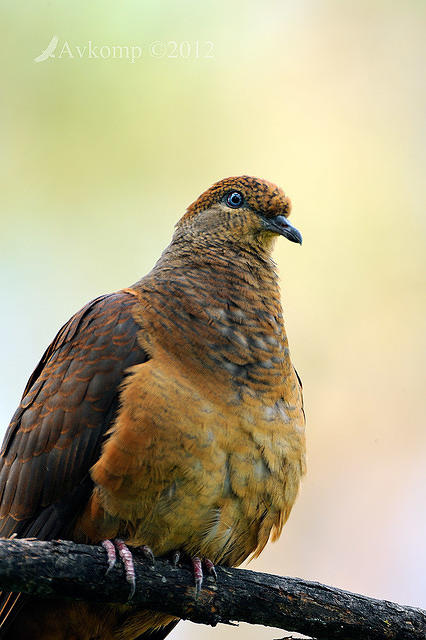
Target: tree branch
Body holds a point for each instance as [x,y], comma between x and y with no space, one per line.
[68,570]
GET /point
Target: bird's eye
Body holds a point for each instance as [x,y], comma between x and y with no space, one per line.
[234,199]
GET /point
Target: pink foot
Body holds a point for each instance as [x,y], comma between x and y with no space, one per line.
[111,548]
[197,565]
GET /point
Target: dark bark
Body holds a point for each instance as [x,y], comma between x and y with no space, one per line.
[65,569]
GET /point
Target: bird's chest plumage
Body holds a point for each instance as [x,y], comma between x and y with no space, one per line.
[201,462]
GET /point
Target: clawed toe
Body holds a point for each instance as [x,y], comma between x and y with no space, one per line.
[111,547]
[147,552]
[211,570]
[108,545]
[175,558]
[198,574]
[197,565]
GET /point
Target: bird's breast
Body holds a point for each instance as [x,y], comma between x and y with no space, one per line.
[199,465]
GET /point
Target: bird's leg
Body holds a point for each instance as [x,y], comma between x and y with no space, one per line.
[111,548]
[197,565]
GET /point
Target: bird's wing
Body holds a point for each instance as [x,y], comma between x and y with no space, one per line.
[56,434]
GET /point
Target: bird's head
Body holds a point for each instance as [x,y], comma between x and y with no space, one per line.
[242,210]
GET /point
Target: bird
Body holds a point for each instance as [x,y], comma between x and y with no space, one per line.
[166,416]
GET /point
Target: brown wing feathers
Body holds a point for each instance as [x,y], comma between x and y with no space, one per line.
[57,431]
[69,402]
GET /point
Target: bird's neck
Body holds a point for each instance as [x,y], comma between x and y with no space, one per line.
[244,269]
[218,304]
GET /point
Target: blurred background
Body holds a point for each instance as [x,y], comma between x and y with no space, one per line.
[101,155]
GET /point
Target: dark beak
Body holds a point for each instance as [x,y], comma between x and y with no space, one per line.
[280,225]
